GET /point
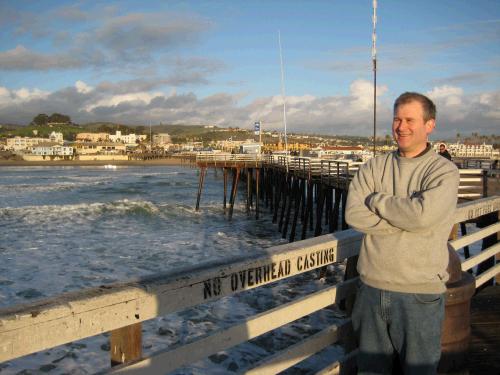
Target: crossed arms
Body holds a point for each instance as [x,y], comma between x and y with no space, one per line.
[372,212]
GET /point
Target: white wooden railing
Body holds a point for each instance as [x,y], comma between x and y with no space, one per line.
[473,184]
[227,157]
[54,321]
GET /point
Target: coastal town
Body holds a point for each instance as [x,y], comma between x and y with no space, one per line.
[125,144]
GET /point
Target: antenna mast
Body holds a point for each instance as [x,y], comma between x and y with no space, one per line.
[283,91]
[150,136]
[374,60]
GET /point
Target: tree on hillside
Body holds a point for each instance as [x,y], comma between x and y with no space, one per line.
[60,119]
[40,119]
[124,129]
[104,129]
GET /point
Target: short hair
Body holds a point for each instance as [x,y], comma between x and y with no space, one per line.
[427,105]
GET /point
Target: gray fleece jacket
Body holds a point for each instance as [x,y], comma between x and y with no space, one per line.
[405,208]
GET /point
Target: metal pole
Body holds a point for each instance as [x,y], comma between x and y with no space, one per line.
[374,60]
[260,134]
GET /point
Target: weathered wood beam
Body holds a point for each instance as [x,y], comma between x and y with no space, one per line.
[126,344]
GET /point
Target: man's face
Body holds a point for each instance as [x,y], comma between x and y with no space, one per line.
[410,130]
[441,148]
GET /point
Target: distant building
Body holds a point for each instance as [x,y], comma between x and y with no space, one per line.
[191,146]
[103,148]
[469,150]
[56,137]
[250,148]
[162,139]
[23,143]
[129,139]
[355,153]
[51,149]
[92,137]
[341,150]
[230,145]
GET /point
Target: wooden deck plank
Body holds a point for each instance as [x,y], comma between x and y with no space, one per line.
[485,332]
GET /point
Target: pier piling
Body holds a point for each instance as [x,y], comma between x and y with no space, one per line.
[234,189]
[294,190]
[200,187]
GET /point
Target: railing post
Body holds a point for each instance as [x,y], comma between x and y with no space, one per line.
[485,183]
[497,257]
[126,344]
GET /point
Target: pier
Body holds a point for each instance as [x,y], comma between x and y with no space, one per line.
[312,191]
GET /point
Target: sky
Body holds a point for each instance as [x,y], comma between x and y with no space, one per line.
[218,62]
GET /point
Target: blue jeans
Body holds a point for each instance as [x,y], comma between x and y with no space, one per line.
[393,326]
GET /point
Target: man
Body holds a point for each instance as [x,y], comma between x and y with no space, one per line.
[444,152]
[404,204]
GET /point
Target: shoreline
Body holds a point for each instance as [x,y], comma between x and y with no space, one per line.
[78,163]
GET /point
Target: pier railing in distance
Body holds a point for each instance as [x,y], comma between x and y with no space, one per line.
[120,307]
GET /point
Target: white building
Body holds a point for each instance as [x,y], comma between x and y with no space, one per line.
[341,150]
[102,148]
[51,149]
[92,137]
[250,148]
[130,139]
[56,137]
[23,143]
[469,150]
[162,139]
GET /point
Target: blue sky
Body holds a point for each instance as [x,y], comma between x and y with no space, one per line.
[217,62]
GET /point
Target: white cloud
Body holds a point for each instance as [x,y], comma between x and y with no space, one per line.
[4,94]
[23,95]
[137,99]
[450,103]
[82,87]
[362,93]
[449,94]
[491,101]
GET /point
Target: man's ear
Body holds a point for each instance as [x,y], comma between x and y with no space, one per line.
[430,125]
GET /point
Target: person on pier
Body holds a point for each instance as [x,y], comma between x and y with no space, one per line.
[444,152]
[404,204]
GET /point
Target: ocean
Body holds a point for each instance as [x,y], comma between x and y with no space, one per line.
[68,228]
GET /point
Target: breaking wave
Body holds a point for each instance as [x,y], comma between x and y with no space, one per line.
[91,211]
[27,188]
